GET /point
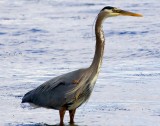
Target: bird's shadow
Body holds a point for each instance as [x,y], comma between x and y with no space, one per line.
[42,124]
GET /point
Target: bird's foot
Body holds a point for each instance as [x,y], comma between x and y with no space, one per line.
[71,122]
[61,124]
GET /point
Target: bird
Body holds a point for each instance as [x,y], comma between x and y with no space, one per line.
[69,91]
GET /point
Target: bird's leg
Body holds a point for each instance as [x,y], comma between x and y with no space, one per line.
[61,114]
[71,114]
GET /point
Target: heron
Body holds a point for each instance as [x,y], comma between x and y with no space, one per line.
[69,91]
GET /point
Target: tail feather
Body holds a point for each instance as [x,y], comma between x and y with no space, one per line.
[27,97]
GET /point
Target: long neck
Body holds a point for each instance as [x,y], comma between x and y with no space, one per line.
[100,42]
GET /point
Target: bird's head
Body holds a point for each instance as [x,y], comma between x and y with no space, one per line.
[109,11]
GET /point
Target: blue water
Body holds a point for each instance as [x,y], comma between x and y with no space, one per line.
[41,39]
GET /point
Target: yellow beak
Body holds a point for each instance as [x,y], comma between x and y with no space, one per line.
[127,13]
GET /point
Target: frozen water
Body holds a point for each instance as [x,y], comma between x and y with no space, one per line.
[40,39]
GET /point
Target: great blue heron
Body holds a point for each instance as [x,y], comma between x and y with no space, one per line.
[71,90]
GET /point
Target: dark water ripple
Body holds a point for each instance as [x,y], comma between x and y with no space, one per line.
[111,108]
[38,51]
[36,30]
[147,75]
[33,30]
[2,33]
[128,33]
[18,87]
[141,53]
[1,44]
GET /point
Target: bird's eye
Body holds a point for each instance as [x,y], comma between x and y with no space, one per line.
[115,10]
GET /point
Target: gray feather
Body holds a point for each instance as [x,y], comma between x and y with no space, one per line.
[52,94]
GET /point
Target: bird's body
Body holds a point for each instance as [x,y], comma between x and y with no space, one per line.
[46,91]
[70,90]
[55,92]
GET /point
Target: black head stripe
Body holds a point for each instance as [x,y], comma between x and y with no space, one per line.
[108,8]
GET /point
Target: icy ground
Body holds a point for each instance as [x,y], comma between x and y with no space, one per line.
[40,39]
